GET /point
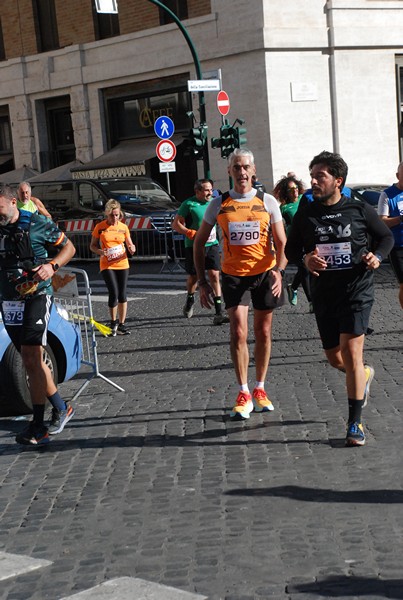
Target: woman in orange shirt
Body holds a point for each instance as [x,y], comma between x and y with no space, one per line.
[111,241]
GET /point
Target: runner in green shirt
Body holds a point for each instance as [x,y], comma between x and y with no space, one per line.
[290,190]
[187,221]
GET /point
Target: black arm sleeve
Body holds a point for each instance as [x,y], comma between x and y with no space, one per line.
[382,237]
[294,248]
[303,202]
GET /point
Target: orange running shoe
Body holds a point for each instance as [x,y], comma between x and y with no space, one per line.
[260,401]
[243,406]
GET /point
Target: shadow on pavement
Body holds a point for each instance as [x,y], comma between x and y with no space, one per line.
[202,438]
[348,587]
[321,495]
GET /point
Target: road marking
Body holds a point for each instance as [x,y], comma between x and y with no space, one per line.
[104,297]
[12,565]
[143,282]
[128,588]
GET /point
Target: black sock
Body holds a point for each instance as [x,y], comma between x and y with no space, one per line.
[190,298]
[39,413]
[217,305]
[355,410]
[57,401]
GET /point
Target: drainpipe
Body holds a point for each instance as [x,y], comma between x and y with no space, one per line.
[332,77]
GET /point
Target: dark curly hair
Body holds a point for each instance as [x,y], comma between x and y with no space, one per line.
[281,187]
[336,166]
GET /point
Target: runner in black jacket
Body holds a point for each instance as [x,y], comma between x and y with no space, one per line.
[331,234]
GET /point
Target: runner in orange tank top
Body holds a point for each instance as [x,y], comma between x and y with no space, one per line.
[252,264]
[111,240]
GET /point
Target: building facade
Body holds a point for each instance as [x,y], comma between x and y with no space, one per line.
[305,77]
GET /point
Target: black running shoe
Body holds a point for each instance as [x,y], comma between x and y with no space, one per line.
[220,319]
[123,330]
[114,327]
[33,435]
[188,309]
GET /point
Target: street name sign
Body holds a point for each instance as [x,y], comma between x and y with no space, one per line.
[204,85]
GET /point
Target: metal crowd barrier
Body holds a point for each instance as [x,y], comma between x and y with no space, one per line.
[153,236]
[72,290]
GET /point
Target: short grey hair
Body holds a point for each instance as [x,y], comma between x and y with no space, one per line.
[25,183]
[241,152]
[7,191]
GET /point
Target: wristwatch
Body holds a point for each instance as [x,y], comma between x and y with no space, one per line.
[55,266]
[379,257]
[281,271]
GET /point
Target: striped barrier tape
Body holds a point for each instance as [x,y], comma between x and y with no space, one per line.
[85,225]
[138,223]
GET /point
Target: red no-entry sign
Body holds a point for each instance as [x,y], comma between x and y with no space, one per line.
[223,103]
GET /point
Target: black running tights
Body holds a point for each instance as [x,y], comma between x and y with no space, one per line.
[116,282]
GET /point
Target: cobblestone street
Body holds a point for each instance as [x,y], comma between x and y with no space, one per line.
[157,483]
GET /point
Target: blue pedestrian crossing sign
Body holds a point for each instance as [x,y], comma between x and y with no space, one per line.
[164,127]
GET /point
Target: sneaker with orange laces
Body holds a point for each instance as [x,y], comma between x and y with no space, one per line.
[243,406]
[261,402]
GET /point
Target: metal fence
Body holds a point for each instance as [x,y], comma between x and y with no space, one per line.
[153,236]
[73,292]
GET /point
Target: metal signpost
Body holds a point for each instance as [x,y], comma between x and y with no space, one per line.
[166,150]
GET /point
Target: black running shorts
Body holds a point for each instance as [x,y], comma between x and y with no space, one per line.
[330,328]
[238,291]
[26,321]
[211,259]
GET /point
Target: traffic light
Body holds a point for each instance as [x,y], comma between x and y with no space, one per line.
[196,138]
[227,133]
[240,141]
[216,142]
[226,141]
[230,138]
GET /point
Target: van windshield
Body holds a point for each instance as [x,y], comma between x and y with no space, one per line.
[138,192]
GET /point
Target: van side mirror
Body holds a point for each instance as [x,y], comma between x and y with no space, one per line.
[97,204]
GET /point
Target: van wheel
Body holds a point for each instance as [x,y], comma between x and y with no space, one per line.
[17,399]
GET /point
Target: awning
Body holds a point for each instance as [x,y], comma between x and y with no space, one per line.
[15,177]
[124,160]
[61,173]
